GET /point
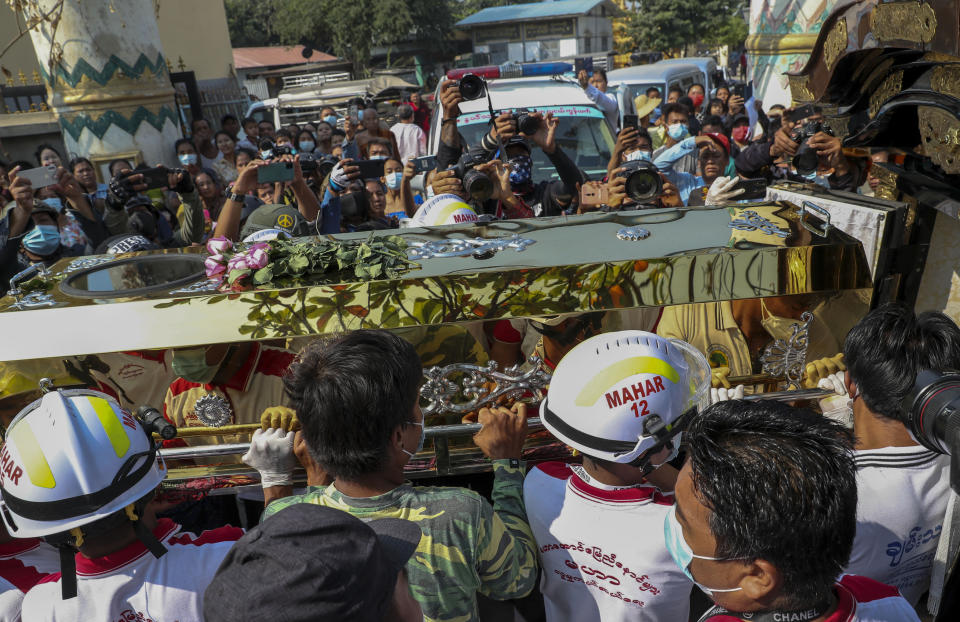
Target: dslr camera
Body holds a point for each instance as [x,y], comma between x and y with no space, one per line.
[806,158]
[476,184]
[526,124]
[271,151]
[643,180]
[472,87]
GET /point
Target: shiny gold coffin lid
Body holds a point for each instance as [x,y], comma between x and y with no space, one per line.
[575,264]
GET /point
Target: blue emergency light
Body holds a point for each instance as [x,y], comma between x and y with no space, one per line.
[512,70]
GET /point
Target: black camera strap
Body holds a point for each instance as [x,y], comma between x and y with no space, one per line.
[797,615]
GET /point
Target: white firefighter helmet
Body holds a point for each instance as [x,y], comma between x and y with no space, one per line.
[443,209]
[71,458]
[617,395]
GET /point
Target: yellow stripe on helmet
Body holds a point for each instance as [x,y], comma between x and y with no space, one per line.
[111,425]
[449,210]
[620,370]
[34,462]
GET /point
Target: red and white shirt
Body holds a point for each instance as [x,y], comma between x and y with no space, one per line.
[256,386]
[602,549]
[23,564]
[132,584]
[859,599]
[896,541]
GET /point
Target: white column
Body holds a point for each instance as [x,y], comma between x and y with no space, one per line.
[107,78]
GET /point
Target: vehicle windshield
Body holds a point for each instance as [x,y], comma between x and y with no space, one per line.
[583,135]
[631,91]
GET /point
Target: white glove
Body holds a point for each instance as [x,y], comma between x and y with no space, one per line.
[837,407]
[271,453]
[834,382]
[721,191]
[723,395]
[338,179]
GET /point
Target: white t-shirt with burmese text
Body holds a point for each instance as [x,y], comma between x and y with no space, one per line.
[132,584]
[602,549]
[902,495]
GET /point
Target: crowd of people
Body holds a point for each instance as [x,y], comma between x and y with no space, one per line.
[700,148]
[773,511]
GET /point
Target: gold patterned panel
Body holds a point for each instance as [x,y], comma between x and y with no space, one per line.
[940,132]
[946,80]
[839,125]
[939,57]
[835,44]
[904,21]
[800,89]
[887,89]
[888,183]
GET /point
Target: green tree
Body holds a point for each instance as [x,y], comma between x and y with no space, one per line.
[672,25]
[250,22]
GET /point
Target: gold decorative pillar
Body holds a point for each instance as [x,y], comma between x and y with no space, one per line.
[106,76]
[782,35]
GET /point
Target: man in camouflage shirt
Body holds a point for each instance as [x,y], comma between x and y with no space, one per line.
[356,396]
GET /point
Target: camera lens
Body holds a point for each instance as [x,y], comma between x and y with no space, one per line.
[643,183]
[806,160]
[526,124]
[472,87]
[477,185]
[643,186]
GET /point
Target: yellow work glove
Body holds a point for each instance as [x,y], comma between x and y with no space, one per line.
[822,368]
[279,417]
[718,377]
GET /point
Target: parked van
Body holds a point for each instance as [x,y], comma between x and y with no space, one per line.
[712,75]
[630,82]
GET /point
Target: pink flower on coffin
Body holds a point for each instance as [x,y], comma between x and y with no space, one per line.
[257,258]
[237,262]
[218,246]
[215,266]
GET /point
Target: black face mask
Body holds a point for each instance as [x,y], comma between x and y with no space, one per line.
[143,223]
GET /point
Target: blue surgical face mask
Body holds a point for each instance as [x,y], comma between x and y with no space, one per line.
[307,145]
[42,240]
[677,131]
[55,202]
[378,157]
[188,159]
[522,170]
[394,180]
[681,552]
[331,119]
[423,437]
[637,155]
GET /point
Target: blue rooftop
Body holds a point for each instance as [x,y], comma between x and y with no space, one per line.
[535,10]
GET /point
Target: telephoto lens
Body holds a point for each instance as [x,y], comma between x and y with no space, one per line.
[643,181]
[472,87]
[806,158]
[477,185]
[308,163]
[933,408]
[325,164]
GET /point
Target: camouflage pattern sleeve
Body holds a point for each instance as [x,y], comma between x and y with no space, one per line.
[313,492]
[506,551]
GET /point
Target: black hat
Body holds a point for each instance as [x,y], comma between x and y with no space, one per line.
[283,217]
[138,200]
[309,562]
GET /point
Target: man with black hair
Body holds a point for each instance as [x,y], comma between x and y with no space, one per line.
[676,120]
[202,136]
[266,129]
[903,487]
[231,125]
[674,94]
[765,517]
[595,87]
[357,398]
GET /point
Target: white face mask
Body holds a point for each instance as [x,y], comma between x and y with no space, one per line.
[639,154]
[394,180]
[776,326]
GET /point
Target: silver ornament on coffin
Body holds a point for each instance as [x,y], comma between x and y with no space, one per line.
[213,411]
